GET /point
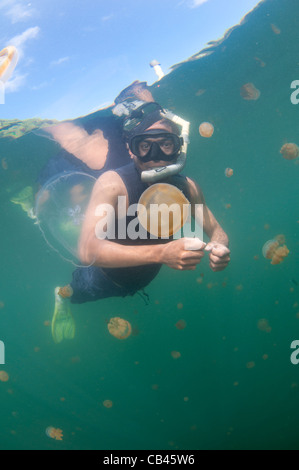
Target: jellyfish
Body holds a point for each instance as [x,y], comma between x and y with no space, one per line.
[119,328]
[181,325]
[54,433]
[66,291]
[8,62]
[162,209]
[175,354]
[263,325]
[280,254]
[275,28]
[249,92]
[289,151]
[107,403]
[275,250]
[60,211]
[269,248]
[229,172]
[206,129]
[281,239]
[4,377]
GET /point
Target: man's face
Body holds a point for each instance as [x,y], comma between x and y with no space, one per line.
[144,145]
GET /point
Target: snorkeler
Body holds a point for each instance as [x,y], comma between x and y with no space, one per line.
[120,267]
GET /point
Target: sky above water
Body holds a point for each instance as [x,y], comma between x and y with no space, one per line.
[75,56]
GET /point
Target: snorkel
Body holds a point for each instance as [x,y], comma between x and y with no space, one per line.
[138,116]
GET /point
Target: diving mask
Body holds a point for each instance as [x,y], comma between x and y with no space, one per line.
[156,145]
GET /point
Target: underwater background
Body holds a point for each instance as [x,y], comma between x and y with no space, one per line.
[233,385]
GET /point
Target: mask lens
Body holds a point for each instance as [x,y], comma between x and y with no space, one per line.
[159,147]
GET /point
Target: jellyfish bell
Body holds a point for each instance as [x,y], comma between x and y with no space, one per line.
[290,151]
[119,328]
[281,239]
[249,92]
[162,210]
[229,172]
[60,211]
[4,377]
[269,248]
[274,251]
[8,62]
[206,129]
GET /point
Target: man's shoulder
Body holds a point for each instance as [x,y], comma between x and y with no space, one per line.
[110,181]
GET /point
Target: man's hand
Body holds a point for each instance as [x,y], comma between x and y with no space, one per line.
[219,256]
[176,256]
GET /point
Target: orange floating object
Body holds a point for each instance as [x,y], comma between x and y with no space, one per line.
[4,377]
[8,62]
[65,291]
[275,250]
[249,92]
[181,325]
[269,248]
[206,129]
[289,151]
[54,433]
[229,172]
[175,354]
[280,254]
[119,328]
[107,403]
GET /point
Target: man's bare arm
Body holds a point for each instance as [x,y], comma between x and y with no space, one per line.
[108,254]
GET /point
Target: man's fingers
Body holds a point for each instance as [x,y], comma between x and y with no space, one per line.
[219,259]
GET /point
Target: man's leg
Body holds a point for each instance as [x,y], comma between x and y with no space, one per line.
[88,285]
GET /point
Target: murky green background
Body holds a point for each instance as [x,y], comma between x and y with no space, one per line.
[234,386]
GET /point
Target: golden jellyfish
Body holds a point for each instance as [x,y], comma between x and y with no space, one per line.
[229,172]
[8,62]
[275,28]
[281,239]
[107,403]
[175,354]
[263,325]
[162,209]
[290,151]
[119,328]
[206,129]
[4,377]
[269,248]
[54,433]
[65,291]
[181,325]
[280,254]
[249,92]
[275,251]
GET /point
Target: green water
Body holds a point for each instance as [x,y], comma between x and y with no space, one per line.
[208,398]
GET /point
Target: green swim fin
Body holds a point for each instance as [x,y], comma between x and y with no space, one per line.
[63,323]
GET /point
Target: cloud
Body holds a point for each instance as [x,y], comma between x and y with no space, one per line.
[20,40]
[16,11]
[197,3]
[15,83]
[59,61]
[108,17]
